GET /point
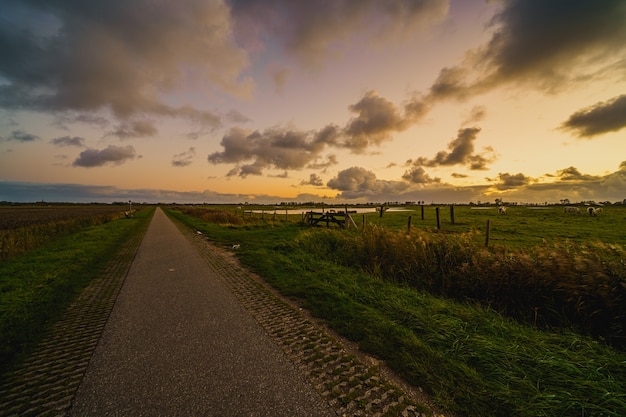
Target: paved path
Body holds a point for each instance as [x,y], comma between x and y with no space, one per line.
[194,333]
[178,343]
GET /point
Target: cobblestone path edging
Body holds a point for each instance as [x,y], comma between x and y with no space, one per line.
[45,383]
[350,386]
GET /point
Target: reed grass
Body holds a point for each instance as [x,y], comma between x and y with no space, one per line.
[558,284]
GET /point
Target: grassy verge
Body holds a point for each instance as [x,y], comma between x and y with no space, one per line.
[469,358]
[37,285]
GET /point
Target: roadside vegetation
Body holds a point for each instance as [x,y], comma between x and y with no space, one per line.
[36,285]
[25,227]
[530,325]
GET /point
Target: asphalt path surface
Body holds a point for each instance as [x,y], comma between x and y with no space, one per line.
[178,343]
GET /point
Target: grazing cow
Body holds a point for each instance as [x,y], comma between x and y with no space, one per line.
[594,211]
[501,210]
[570,209]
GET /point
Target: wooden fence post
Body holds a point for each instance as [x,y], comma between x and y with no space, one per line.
[422,206]
[438,222]
[452,214]
[408,227]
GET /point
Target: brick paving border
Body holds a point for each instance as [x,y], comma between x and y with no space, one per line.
[349,385]
[45,383]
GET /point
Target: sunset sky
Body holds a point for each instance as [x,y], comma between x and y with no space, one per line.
[342,101]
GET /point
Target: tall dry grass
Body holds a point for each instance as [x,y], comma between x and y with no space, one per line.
[557,284]
[221,217]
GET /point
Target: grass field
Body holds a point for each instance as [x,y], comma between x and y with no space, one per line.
[531,324]
[467,356]
[36,285]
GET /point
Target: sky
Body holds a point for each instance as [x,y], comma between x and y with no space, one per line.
[343,101]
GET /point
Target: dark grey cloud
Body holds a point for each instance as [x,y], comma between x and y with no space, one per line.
[68,141]
[543,44]
[570,183]
[573,174]
[115,155]
[602,117]
[461,152]
[358,182]
[83,57]
[184,159]
[315,32]
[20,136]
[418,175]
[279,148]
[375,120]
[506,181]
[314,180]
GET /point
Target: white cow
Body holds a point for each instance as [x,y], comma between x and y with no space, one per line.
[594,211]
[501,210]
[571,209]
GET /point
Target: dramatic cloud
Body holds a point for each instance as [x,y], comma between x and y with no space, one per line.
[184,159]
[573,174]
[20,136]
[315,32]
[376,118]
[603,117]
[112,154]
[314,179]
[461,153]
[116,56]
[68,141]
[572,184]
[273,148]
[419,176]
[357,182]
[284,148]
[540,43]
[506,181]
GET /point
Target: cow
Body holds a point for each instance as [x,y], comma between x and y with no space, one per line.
[571,209]
[501,210]
[594,211]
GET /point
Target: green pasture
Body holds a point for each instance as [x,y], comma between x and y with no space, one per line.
[469,358]
[521,226]
[35,286]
